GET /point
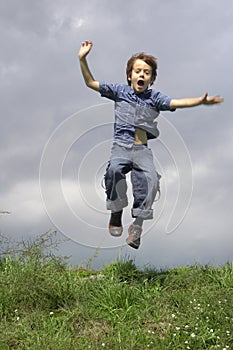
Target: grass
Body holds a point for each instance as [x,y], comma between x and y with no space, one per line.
[48,305]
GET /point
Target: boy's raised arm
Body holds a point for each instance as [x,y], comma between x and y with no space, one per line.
[88,77]
[195,101]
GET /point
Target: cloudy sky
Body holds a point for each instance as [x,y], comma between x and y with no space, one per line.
[55,134]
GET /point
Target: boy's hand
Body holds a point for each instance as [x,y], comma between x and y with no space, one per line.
[85,49]
[195,101]
[210,100]
[88,77]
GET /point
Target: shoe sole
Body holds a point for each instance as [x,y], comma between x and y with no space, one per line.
[132,244]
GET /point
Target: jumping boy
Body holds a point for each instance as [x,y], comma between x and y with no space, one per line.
[136,109]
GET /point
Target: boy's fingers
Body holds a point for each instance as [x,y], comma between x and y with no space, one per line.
[219,99]
[87,42]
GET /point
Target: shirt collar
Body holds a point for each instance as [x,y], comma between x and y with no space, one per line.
[145,93]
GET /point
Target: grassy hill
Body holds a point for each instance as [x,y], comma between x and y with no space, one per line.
[48,305]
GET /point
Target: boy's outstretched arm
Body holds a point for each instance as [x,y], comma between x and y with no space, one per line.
[83,52]
[195,101]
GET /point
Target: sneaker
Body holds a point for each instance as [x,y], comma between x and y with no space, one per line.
[133,240]
[115,231]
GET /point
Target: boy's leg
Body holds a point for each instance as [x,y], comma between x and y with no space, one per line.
[116,187]
[145,185]
[115,219]
[115,184]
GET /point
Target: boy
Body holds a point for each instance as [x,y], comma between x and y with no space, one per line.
[136,108]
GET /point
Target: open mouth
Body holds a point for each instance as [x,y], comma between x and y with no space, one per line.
[140,82]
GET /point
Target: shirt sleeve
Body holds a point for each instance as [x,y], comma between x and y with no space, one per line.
[162,102]
[108,90]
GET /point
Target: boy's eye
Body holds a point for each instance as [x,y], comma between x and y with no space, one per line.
[137,71]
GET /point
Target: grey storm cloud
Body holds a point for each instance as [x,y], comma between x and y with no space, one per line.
[41,88]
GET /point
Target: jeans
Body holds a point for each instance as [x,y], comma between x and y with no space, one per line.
[145,180]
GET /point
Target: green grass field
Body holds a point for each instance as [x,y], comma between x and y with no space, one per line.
[46,304]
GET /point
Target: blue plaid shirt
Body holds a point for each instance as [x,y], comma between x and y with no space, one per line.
[134,111]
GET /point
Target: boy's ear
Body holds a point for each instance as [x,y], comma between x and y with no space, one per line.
[129,80]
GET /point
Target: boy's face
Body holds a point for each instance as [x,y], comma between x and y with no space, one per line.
[140,76]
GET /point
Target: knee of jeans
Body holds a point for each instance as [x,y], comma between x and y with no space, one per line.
[114,170]
[154,183]
[112,176]
[152,180]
